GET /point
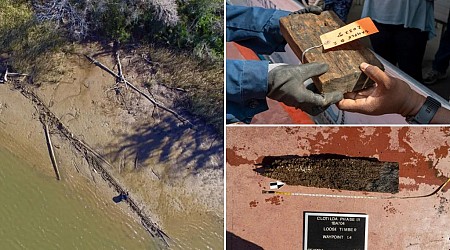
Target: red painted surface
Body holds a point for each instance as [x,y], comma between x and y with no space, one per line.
[278,113]
[236,51]
[276,222]
[297,116]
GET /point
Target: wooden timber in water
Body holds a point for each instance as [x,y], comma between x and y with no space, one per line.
[303,32]
[51,151]
[94,159]
[333,171]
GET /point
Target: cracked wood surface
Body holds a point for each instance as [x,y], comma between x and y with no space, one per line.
[303,32]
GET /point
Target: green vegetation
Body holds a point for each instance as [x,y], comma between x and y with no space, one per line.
[202,80]
[194,25]
[201,28]
[114,23]
[28,43]
[33,31]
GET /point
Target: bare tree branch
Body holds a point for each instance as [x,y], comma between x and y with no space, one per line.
[64,14]
[7,73]
[152,100]
[78,17]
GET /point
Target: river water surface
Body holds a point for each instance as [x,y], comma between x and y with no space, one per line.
[38,212]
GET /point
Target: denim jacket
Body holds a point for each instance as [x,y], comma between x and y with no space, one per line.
[246,81]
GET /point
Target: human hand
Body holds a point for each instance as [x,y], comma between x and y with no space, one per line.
[320,3]
[389,95]
[308,9]
[286,84]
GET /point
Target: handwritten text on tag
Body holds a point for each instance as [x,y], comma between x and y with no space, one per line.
[348,33]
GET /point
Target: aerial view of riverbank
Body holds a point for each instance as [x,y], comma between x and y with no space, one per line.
[111,113]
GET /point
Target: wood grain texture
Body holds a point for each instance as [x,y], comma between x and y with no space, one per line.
[333,171]
[303,31]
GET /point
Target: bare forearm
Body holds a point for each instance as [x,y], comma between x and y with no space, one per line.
[442,116]
[416,101]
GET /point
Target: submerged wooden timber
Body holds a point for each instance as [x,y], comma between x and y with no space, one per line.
[93,158]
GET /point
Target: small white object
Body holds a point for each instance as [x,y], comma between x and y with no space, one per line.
[5,77]
[274,65]
[276,185]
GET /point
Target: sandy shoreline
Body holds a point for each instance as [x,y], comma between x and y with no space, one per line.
[167,167]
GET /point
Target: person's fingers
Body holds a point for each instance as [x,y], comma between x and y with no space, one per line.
[360,94]
[375,74]
[366,92]
[333,97]
[350,95]
[358,105]
[313,69]
[321,100]
[315,10]
[311,98]
[308,9]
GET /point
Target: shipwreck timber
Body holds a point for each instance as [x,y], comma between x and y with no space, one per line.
[93,158]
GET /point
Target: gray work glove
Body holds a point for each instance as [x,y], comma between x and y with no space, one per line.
[308,9]
[320,3]
[286,85]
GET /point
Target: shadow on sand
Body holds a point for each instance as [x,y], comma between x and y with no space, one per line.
[169,141]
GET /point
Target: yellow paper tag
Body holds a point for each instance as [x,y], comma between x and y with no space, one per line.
[348,33]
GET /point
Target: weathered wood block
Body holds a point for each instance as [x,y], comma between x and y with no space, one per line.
[303,32]
[333,171]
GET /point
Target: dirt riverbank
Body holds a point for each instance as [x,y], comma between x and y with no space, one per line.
[172,170]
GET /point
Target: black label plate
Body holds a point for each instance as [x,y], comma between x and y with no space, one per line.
[337,231]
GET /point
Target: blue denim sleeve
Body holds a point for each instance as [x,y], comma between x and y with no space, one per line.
[255,28]
[247,86]
[340,7]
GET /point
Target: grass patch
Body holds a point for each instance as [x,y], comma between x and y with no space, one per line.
[202,79]
[30,45]
[37,49]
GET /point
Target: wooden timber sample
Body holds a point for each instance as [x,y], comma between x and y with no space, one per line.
[333,171]
[303,31]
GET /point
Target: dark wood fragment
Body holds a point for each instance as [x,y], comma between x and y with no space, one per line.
[303,31]
[333,171]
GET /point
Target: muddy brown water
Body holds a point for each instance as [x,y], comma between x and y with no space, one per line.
[43,213]
[39,212]
[76,101]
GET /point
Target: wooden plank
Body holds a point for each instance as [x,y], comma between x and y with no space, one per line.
[333,171]
[51,152]
[303,32]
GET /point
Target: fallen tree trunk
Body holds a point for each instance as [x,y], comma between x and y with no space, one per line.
[51,151]
[93,158]
[102,66]
[119,66]
[6,74]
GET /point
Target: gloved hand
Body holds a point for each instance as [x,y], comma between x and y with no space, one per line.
[308,9]
[286,85]
[320,3]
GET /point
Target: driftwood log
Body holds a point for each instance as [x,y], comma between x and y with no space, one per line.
[303,32]
[4,78]
[51,151]
[95,160]
[152,100]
